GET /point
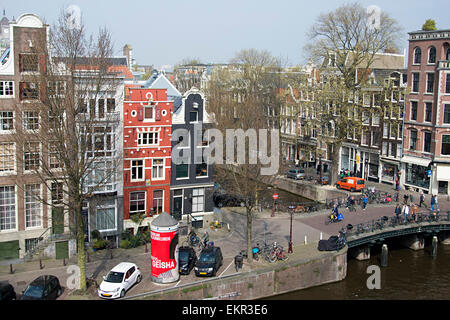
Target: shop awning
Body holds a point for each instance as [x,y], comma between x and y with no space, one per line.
[394,162]
[443,173]
[424,162]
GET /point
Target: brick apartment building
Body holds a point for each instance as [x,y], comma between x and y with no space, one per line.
[426,146]
[147,118]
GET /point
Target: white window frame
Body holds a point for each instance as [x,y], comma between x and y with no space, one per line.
[106,207]
[7,84]
[35,205]
[14,211]
[11,155]
[142,139]
[198,200]
[160,166]
[137,167]
[130,201]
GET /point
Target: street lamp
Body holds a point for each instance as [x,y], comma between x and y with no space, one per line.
[291,211]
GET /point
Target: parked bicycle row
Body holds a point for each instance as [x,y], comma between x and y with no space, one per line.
[270,253]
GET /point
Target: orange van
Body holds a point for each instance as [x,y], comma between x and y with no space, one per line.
[351,183]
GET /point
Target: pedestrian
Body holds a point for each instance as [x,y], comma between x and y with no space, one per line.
[205,238]
[433,202]
[396,196]
[397,212]
[436,204]
[405,198]
[296,162]
[422,199]
[365,201]
[405,211]
[414,210]
[396,184]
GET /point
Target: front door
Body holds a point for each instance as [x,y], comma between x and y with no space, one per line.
[177,204]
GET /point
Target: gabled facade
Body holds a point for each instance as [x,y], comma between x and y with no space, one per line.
[192,184]
[147,130]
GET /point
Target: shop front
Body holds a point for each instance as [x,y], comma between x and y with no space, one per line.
[417,176]
[389,171]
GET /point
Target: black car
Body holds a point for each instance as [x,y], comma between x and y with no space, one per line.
[209,262]
[186,259]
[7,292]
[42,288]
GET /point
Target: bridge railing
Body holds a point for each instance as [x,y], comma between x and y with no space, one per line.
[394,221]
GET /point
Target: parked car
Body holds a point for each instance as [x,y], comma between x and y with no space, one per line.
[186,259]
[296,174]
[351,183]
[209,261]
[45,287]
[119,280]
[7,292]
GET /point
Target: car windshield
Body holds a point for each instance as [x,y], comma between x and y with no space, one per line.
[34,291]
[207,257]
[114,277]
[183,255]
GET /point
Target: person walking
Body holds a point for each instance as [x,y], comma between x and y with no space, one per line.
[365,201]
[414,210]
[405,211]
[397,212]
[205,238]
[397,184]
[433,202]
[422,199]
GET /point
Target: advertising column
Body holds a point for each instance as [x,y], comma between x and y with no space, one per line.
[164,249]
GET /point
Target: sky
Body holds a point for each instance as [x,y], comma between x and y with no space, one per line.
[164,32]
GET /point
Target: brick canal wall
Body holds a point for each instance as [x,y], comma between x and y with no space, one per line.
[279,278]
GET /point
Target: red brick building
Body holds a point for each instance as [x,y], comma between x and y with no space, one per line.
[147,116]
[426,145]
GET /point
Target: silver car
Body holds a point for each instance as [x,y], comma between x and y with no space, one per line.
[296,174]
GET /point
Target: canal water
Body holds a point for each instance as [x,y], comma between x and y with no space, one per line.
[410,275]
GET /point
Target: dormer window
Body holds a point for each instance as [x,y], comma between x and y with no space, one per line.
[193,116]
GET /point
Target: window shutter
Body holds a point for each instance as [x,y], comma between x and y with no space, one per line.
[157,113]
[140,113]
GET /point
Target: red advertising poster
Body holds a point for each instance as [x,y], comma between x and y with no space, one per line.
[164,256]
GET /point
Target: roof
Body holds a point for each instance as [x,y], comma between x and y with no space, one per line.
[160,81]
[123,267]
[384,61]
[164,220]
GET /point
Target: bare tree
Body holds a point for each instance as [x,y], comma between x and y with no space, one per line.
[345,45]
[70,129]
[242,97]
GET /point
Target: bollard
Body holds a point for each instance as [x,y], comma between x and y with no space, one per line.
[384,255]
[434,244]
[321,236]
[40,264]
[306,240]
[64,262]
[11,270]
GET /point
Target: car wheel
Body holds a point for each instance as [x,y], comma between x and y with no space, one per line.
[139,278]
[122,293]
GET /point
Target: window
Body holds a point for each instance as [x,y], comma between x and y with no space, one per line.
[149,112]
[101,108]
[82,106]
[148,138]
[110,105]
[385,130]
[384,148]
[7,208]
[428,111]
[31,156]
[32,205]
[158,199]
[57,193]
[201,169]
[29,62]
[445,145]
[182,171]
[375,119]
[54,160]
[392,129]
[137,170]
[30,120]
[365,117]
[6,120]
[417,55]
[392,149]
[432,55]
[447,113]
[56,88]
[193,116]
[447,54]
[415,83]
[430,82]
[6,89]
[427,141]
[198,200]
[365,138]
[92,108]
[106,216]
[158,169]
[137,202]
[413,140]
[7,156]
[414,110]
[399,150]
[447,83]
[400,131]
[30,90]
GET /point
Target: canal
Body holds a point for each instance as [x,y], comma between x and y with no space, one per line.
[410,275]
